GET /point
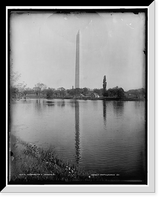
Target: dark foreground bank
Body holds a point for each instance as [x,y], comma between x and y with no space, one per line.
[29,164]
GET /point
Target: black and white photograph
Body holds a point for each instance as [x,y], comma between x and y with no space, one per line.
[78,96]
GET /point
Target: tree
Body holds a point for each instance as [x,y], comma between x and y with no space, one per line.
[98,91]
[61,91]
[104,85]
[71,92]
[85,91]
[115,93]
[21,87]
[49,93]
[39,87]
[120,93]
[14,76]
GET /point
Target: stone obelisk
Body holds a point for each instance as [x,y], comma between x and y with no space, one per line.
[77,61]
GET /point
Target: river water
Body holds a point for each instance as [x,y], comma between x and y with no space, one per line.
[104,137]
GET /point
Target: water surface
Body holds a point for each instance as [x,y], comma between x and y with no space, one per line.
[104,137]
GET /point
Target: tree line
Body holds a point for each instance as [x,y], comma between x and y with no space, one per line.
[41,90]
[115,92]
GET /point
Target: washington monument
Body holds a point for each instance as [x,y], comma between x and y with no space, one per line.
[77,61]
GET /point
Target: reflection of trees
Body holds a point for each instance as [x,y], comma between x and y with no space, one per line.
[38,105]
[72,103]
[24,100]
[137,104]
[61,103]
[77,132]
[118,107]
[47,103]
[50,103]
[104,111]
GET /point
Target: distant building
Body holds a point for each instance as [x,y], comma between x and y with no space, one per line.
[95,95]
[82,95]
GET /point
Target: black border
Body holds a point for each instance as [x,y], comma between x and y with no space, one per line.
[87,10]
[3,102]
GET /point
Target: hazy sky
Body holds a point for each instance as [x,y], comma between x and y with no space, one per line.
[43,49]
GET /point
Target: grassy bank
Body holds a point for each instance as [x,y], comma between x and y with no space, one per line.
[30,164]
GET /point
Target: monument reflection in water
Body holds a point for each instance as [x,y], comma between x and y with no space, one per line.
[77,132]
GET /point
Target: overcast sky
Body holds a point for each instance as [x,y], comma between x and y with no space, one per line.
[43,49]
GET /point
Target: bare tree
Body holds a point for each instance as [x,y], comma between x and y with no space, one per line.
[39,87]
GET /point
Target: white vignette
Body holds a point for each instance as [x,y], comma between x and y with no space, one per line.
[150,187]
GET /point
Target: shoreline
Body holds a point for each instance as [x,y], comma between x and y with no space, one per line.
[87,98]
[31,164]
